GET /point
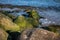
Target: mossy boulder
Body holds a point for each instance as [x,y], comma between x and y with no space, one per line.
[34,22]
[34,14]
[23,23]
[33,17]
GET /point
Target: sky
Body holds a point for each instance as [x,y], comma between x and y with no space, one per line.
[32,2]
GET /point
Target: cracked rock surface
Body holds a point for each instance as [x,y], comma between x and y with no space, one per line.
[38,34]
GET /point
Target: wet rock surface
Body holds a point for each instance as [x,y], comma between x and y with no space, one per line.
[38,34]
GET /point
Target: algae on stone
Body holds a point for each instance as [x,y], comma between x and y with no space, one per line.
[33,21]
[33,17]
[23,23]
[34,14]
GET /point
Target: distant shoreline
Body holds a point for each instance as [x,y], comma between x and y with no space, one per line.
[24,6]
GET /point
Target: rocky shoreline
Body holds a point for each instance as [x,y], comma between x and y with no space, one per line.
[29,23]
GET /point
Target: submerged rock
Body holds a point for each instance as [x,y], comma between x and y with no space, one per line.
[7,24]
[3,35]
[38,34]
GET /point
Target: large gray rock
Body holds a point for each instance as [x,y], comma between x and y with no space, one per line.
[38,34]
[3,35]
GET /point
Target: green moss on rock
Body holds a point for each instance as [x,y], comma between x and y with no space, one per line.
[23,23]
